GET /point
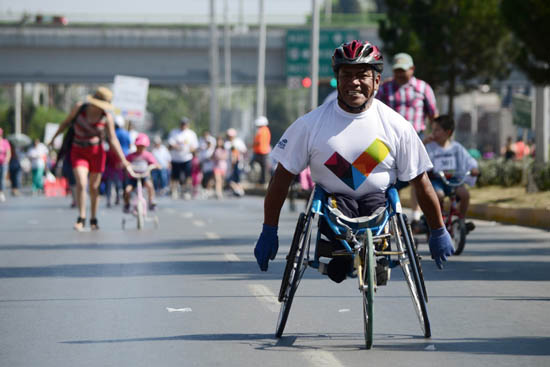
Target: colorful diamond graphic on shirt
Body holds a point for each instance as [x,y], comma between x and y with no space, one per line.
[356,173]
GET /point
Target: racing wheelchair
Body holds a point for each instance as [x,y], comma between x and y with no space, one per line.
[383,238]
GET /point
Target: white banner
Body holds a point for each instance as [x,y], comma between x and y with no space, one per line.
[130,97]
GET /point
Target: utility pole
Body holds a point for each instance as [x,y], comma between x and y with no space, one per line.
[315,55]
[542,123]
[18,104]
[261,63]
[214,62]
[328,11]
[227,54]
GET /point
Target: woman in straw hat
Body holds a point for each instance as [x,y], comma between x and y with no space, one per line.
[92,124]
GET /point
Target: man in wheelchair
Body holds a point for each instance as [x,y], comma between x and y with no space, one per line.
[356,147]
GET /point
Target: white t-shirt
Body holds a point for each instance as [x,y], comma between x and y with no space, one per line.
[353,154]
[162,155]
[187,140]
[454,158]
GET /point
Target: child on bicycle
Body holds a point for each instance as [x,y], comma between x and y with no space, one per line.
[141,161]
[450,157]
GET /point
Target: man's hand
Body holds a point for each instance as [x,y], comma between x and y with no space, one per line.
[267,246]
[441,246]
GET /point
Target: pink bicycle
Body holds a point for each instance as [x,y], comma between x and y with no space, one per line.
[138,204]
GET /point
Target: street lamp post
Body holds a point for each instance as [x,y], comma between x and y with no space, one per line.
[261,64]
[214,60]
[315,55]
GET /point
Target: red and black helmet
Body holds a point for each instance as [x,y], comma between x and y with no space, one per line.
[357,53]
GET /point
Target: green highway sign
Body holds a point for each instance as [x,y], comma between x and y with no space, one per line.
[522,110]
[298,50]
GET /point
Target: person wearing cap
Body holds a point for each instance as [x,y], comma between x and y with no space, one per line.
[356,148]
[182,143]
[5,156]
[237,149]
[93,124]
[413,99]
[262,147]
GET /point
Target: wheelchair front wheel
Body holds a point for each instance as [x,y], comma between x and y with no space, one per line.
[294,270]
[368,288]
[408,263]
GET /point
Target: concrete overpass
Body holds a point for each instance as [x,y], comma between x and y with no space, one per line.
[165,55]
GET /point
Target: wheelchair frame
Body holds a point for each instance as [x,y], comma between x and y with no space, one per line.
[364,239]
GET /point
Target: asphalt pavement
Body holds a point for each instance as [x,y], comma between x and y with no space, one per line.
[190,294]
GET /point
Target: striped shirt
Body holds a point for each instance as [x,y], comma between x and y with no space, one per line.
[414,100]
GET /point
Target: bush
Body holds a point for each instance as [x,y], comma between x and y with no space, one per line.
[500,172]
[541,174]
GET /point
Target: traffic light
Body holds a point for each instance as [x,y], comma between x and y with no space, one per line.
[333,82]
[306,82]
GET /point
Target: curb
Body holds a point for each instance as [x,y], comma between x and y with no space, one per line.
[536,218]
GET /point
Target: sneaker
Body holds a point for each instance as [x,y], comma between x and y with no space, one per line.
[2,197]
[470,226]
[382,271]
[152,206]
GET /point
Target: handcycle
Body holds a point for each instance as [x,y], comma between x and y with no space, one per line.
[457,228]
[138,204]
[368,241]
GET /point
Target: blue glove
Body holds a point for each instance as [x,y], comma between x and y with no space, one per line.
[441,245]
[267,246]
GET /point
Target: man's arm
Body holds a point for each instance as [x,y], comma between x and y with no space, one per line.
[276,195]
[427,198]
[268,243]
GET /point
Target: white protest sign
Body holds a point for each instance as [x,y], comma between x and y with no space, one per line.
[130,97]
[49,131]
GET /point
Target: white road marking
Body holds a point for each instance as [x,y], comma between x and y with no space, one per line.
[212,235]
[199,223]
[186,309]
[430,347]
[321,358]
[344,310]
[265,296]
[187,215]
[231,257]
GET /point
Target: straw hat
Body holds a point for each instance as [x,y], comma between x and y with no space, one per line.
[101,98]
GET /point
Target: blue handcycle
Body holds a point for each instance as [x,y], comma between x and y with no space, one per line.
[383,238]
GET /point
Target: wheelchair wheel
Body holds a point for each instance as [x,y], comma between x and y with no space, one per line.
[296,264]
[459,235]
[417,260]
[408,263]
[368,289]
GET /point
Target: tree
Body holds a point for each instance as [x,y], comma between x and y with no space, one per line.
[527,20]
[347,6]
[453,42]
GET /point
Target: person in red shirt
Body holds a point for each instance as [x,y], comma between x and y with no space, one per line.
[92,124]
[262,147]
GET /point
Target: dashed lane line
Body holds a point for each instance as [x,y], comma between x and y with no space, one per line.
[231,257]
[212,235]
[265,296]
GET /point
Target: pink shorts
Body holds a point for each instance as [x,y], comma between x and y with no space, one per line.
[92,157]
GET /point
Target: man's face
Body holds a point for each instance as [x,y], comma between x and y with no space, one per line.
[403,76]
[356,84]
